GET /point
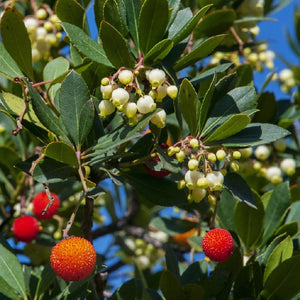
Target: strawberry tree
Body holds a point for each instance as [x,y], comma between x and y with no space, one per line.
[159,110]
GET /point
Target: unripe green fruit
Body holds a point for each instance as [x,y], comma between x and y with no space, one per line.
[146,105]
[180,156]
[193,164]
[36,55]
[159,119]
[172,91]
[125,77]
[156,77]
[221,154]
[194,143]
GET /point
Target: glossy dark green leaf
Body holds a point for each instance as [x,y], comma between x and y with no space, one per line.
[245,75]
[70,11]
[201,51]
[62,152]
[133,10]
[185,22]
[16,40]
[188,101]
[196,273]
[11,157]
[131,289]
[239,188]
[282,252]
[215,22]
[283,282]
[249,222]
[44,113]
[288,228]
[51,171]
[158,52]
[83,43]
[276,209]
[240,100]
[268,109]
[11,272]
[98,10]
[230,127]
[170,286]
[73,96]
[172,262]
[86,120]
[8,67]
[255,134]
[294,212]
[153,20]
[115,46]
[112,13]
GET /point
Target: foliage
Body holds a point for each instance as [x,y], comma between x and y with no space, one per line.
[221,153]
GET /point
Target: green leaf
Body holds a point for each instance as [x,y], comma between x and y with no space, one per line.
[47,277]
[216,22]
[16,40]
[11,271]
[239,188]
[185,22]
[131,289]
[112,12]
[115,46]
[74,95]
[50,171]
[85,44]
[62,152]
[276,209]
[43,112]
[283,282]
[70,11]
[158,52]
[11,157]
[201,51]
[294,213]
[240,100]
[8,291]
[133,10]
[170,286]
[255,134]
[196,273]
[282,252]
[188,101]
[153,20]
[86,120]
[249,222]
[232,126]
[99,12]
[8,67]
[168,163]
[172,262]
[55,69]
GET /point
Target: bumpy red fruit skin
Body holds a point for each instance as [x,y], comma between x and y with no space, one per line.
[40,202]
[73,259]
[25,228]
[218,244]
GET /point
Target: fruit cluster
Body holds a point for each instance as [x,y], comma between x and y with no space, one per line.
[135,93]
[286,80]
[205,170]
[44,32]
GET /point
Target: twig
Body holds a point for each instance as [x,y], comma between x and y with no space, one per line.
[238,39]
[50,198]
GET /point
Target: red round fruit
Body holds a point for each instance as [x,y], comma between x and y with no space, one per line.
[25,228]
[73,259]
[40,202]
[218,244]
[154,173]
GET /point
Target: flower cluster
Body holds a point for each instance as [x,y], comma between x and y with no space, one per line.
[136,93]
[44,32]
[286,80]
[204,170]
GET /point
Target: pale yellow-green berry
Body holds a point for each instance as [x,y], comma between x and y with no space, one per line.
[146,105]
[236,154]
[180,184]
[130,109]
[193,164]
[211,157]
[172,91]
[288,165]
[194,143]
[234,165]
[180,156]
[221,154]
[106,108]
[203,183]
[156,77]
[41,13]
[119,97]
[191,178]
[198,194]
[159,119]
[125,77]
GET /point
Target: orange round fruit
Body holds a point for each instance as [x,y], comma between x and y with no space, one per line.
[218,244]
[73,259]
[40,202]
[25,228]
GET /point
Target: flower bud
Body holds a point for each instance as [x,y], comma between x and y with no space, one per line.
[191,178]
[156,77]
[234,165]
[106,108]
[146,105]
[211,157]
[41,14]
[193,164]
[273,174]
[285,74]
[288,165]
[106,91]
[119,97]
[171,151]
[125,77]
[172,91]
[198,194]
[130,109]
[246,152]
[48,26]
[153,94]
[236,154]
[262,152]
[180,156]
[36,55]
[159,119]
[51,39]
[180,184]
[41,33]
[194,143]
[161,92]
[221,154]
[31,24]
[212,200]
[203,183]
[280,145]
